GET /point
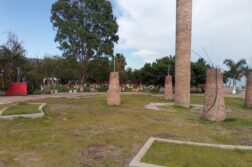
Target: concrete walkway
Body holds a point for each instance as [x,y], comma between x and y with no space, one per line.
[14,99]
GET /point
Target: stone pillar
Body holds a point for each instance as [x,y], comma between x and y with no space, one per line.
[183,52]
[214,105]
[168,93]
[248,98]
[114,92]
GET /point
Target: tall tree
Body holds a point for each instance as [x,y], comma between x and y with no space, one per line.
[236,70]
[12,60]
[120,62]
[85,29]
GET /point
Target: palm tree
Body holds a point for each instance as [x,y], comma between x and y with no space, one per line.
[236,70]
[248,71]
[12,59]
[121,62]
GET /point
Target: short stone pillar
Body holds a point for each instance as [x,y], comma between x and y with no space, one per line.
[248,98]
[114,91]
[168,92]
[214,105]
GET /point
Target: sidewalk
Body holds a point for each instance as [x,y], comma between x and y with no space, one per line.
[13,99]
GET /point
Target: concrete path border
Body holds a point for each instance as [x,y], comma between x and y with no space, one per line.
[136,162]
[40,114]
[156,106]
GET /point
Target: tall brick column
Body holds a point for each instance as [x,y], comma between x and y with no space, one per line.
[114,92]
[248,99]
[214,105]
[168,93]
[183,52]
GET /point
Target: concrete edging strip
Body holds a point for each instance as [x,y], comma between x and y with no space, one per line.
[136,162]
[40,114]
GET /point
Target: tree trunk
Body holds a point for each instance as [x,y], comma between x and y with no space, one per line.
[82,83]
[234,86]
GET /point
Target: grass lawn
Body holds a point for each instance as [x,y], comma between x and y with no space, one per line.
[175,155]
[86,132]
[22,108]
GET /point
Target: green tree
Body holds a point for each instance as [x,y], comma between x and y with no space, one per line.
[12,56]
[247,71]
[98,70]
[137,76]
[63,68]
[155,73]
[198,74]
[33,75]
[236,70]
[128,75]
[86,29]
[120,62]
[66,69]
[48,66]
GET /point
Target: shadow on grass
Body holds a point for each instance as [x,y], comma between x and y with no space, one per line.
[180,108]
[241,122]
[228,121]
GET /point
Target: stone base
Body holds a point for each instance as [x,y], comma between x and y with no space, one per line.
[168,92]
[248,98]
[214,106]
[114,92]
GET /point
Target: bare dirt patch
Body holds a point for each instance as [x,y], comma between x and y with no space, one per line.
[3,164]
[247,142]
[94,154]
[61,107]
[101,151]
[30,159]
[164,136]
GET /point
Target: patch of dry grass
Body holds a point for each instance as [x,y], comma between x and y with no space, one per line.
[87,132]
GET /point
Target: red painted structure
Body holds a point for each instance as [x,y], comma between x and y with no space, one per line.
[17,89]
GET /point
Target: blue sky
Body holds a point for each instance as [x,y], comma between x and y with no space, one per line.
[30,20]
[146,28]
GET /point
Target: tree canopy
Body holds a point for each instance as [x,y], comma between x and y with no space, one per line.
[86,29]
[12,60]
[236,69]
[198,73]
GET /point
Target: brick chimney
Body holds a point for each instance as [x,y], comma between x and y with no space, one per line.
[183,52]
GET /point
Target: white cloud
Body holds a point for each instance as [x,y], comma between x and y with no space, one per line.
[148,26]
[147,56]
